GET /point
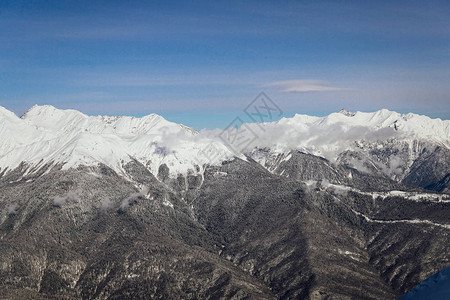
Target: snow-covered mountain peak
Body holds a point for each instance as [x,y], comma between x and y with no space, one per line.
[380,118]
[299,119]
[46,134]
[388,133]
[346,112]
[6,114]
[14,132]
[49,110]
[51,119]
[407,125]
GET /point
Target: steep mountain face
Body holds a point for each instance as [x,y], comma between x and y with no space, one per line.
[121,207]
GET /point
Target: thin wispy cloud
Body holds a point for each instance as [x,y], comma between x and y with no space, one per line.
[304,85]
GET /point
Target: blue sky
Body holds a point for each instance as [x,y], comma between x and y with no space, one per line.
[201,62]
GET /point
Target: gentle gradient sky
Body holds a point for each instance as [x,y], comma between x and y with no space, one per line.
[201,62]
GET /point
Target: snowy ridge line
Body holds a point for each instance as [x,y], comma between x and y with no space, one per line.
[414,221]
[368,219]
[414,196]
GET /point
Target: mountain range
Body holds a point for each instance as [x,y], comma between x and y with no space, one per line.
[346,206]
